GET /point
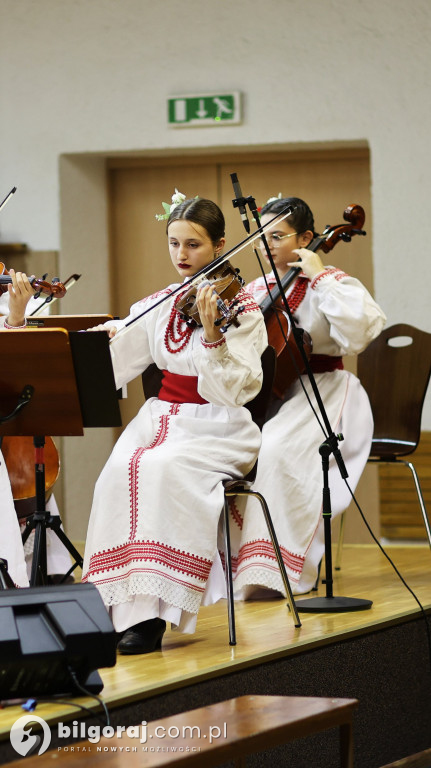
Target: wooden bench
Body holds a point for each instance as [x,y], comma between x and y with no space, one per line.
[212,735]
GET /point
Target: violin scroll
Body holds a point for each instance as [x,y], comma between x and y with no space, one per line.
[56,289]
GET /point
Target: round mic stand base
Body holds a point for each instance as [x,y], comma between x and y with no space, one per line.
[332,604]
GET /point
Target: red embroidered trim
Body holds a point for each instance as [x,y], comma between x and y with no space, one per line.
[234,513]
[233,561]
[261,548]
[134,472]
[252,286]
[248,301]
[213,344]
[163,292]
[111,579]
[335,272]
[139,552]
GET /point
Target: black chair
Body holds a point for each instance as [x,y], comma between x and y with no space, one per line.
[151,381]
[395,370]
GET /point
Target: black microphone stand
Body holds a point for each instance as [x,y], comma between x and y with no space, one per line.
[329,603]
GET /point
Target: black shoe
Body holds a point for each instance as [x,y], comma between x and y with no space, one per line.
[145,637]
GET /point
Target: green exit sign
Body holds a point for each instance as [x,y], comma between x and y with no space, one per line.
[204,109]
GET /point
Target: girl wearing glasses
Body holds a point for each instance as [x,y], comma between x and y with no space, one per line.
[341,318]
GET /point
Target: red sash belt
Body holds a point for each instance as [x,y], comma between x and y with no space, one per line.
[325,363]
[180,389]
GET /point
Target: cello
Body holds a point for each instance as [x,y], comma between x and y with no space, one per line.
[19,457]
[290,363]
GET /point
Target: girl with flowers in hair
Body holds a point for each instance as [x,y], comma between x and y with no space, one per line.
[341,318]
[152,536]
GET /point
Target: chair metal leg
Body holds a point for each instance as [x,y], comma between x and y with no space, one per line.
[229,580]
[276,547]
[421,499]
[280,561]
[340,542]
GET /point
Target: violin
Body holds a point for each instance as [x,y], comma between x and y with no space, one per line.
[19,457]
[226,282]
[55,288]
[290,363]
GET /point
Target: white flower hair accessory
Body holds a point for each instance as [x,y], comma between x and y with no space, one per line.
[273,199]
[177,199]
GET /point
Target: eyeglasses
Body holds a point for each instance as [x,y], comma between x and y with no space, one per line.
[275,239]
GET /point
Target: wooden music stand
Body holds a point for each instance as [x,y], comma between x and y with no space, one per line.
[54,382]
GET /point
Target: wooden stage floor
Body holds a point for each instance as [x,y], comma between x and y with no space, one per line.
[265,632]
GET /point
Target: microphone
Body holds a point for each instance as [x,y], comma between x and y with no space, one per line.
[239,201]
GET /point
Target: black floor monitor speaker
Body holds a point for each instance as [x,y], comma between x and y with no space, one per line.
[52,638]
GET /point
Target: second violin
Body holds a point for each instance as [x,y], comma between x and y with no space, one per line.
[55,288]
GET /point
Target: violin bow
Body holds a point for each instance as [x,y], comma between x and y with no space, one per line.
[208,268]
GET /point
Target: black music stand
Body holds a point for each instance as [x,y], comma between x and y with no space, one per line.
[54,382]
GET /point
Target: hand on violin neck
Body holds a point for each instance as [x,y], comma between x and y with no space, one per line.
[310,262]
[20,293]
[206,301]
